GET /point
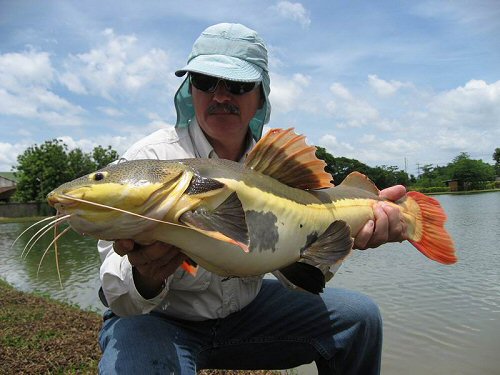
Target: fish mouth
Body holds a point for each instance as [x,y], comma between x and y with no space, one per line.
[59,201]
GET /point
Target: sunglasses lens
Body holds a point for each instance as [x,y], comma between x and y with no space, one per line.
[204,83]
[239,88]
[209,84]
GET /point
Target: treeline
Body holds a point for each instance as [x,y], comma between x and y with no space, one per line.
[472,174]
[41,169]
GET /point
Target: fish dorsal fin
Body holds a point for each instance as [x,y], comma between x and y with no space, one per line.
[360,181]
[285,156]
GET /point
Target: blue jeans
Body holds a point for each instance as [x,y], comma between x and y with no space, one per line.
[340,330]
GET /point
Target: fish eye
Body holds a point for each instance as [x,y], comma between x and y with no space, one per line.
[98,176]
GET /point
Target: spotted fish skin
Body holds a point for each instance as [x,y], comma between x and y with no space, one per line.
[278,212]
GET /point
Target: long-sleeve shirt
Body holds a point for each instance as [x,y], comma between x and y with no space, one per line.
[204,296]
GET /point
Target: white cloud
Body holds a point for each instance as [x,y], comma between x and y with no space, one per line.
[337,148]
[287,93]
[383,87]
[111,112]
[430,128]
[475,105]
[116,68]
[348,110]
[27,69]
[26,81]
[9,153]
[293,11]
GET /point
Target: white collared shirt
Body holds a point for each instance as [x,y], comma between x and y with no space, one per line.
[205,296]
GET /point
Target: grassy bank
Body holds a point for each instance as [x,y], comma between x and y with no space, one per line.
[42,336]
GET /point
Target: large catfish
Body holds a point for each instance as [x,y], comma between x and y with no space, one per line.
[278,212]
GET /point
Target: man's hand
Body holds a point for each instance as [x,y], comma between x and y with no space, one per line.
[152,264]
[388,225]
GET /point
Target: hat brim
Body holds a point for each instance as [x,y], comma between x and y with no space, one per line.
[222,66]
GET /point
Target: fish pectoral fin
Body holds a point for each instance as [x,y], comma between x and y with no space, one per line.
[285,156]
[226,222]
[319,261]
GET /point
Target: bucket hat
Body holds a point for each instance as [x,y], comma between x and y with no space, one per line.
[228,51]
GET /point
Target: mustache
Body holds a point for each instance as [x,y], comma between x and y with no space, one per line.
[223,107]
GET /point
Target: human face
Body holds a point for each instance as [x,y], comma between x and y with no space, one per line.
[224,117]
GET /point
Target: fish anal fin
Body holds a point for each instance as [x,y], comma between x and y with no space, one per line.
[431,237]
[301,276]
[281,153]
[360,181]
[320,260]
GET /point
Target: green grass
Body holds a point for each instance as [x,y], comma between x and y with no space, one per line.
[41,336]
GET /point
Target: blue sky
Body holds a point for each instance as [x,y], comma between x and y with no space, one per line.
[385,82]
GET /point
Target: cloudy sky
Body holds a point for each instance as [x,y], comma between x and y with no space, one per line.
[385,82]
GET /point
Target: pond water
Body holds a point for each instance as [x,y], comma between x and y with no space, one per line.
[437,319]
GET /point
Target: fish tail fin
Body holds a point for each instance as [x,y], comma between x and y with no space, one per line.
[430,236]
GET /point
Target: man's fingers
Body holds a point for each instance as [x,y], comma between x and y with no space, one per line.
[397,227]
[123,247]
[393,193]
[151,253]
[381,232]
[363,237]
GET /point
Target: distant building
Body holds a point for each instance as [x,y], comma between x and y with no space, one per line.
[454,185]
[8,186]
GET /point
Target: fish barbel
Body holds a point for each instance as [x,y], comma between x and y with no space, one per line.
[278,212]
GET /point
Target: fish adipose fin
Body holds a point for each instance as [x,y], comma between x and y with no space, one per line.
[431,237]
[285,156]
[228,220]
[360,181]
[319,261]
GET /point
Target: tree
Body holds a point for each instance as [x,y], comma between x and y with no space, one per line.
[474,173]
[103,156]
[80,164]
[41,169]
[496,157]
[433,176]
[340,167]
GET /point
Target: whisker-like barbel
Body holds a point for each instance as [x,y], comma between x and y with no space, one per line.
[41,232]
[47,250]
[27,229]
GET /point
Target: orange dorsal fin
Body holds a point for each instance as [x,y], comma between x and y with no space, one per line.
[285,156]
[360,181]
[434,241]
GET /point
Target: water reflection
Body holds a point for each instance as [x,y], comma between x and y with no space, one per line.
[438,319]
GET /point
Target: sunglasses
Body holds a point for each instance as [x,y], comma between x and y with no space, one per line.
[209,84]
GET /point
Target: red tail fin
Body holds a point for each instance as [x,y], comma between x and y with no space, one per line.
[435,242]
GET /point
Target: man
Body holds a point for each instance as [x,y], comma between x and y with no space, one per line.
[164,320]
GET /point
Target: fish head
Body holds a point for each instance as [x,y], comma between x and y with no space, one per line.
[123,199]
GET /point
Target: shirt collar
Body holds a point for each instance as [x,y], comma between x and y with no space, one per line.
[203,148]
